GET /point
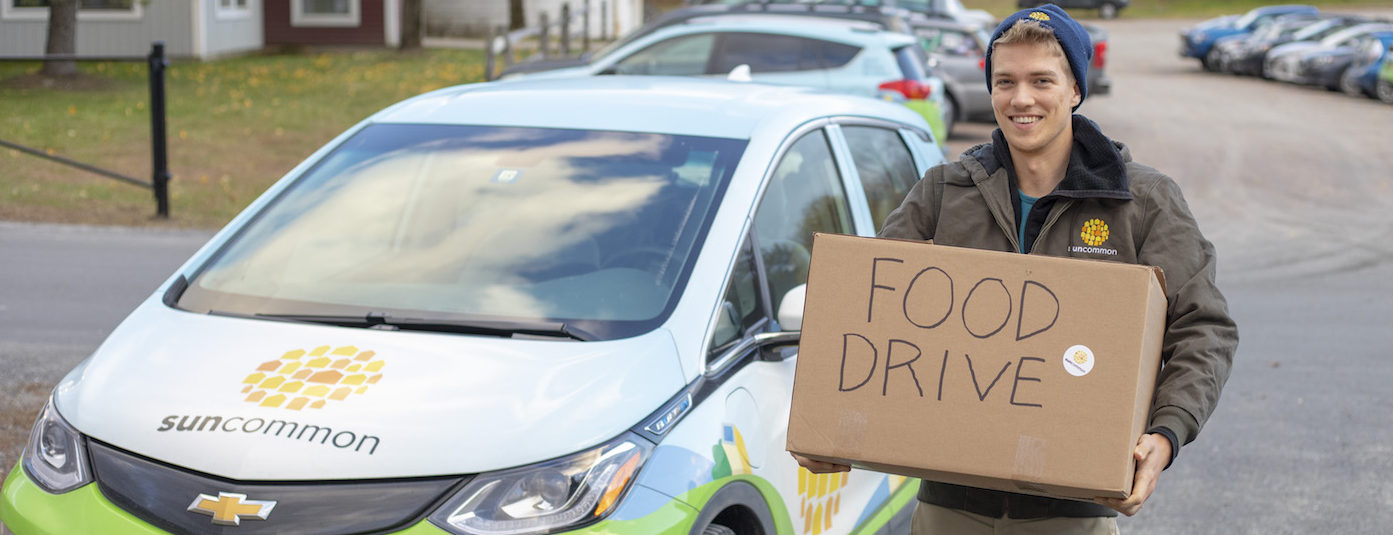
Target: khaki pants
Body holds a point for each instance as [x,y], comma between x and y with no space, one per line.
[931,519]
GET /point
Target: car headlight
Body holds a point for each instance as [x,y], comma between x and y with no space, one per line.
[1322,60]
[564,493]
[56,459]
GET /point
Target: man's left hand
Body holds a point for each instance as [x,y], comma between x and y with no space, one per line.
[1152,453]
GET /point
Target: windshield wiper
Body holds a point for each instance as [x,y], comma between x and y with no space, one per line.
[379,320]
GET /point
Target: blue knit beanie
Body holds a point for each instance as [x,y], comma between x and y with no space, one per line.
[1078,49]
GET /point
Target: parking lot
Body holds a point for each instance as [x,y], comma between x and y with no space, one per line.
[1294,185]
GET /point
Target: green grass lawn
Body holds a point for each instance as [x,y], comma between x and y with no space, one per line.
[234,127]
[237,125]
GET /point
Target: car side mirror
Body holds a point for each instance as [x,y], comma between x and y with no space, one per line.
[791,308]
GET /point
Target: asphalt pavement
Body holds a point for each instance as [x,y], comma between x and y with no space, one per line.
[1293,185]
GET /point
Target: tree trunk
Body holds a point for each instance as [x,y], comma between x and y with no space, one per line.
[411,19]
[62,37]
[516,16]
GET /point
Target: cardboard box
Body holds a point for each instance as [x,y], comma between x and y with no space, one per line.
[1014,372]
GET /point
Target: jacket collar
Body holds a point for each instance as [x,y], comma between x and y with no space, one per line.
[1097,165]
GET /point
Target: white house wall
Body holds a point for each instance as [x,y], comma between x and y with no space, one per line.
[230,33]
[160,20]
[473,17]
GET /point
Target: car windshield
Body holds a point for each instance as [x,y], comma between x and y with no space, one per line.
[1314,29]
[595,230]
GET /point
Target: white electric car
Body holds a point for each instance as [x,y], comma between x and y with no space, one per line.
[504,308]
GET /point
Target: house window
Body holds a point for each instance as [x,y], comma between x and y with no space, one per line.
[87,9]
[231,9]
[342,13]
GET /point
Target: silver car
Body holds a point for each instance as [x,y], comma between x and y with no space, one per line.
[957,53]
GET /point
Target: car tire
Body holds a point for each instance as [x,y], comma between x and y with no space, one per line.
[717,529]
[1349,84]
[1384,91]
[1107,10]
[753,515]
[1211,60]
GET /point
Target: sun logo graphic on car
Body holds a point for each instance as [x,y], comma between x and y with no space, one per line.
[1095,232]
[310,379]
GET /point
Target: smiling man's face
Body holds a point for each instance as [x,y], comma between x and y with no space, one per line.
[1033,95]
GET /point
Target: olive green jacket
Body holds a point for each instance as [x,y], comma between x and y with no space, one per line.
[972,203]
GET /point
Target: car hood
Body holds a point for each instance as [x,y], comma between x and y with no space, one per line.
[219,395]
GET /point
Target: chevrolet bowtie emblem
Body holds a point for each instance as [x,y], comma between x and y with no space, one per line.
[228,509]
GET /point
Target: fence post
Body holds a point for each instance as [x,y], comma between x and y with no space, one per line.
[488,55]
[542,39]
[158,153]
[565,29]
[507,46]
[585,27]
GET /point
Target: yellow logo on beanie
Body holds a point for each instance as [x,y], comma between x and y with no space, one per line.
[1039,15]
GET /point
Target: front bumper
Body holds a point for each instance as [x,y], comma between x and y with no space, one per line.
[27,509]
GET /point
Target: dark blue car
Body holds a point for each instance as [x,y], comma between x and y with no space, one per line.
[1198,42]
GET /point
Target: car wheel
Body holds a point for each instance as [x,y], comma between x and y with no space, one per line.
[1108,10]
[1385,91]
[1211,60]
[1349,84]
[717,529]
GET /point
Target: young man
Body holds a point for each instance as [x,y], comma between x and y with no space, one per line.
[1051,183]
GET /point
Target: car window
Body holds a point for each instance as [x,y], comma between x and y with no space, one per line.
[805,195]
[911,63]
[680,56]
[595,229]
[885,166]
[740,308]
[946,41]
[766,53]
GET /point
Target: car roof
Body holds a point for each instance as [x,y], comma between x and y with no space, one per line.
[840,30]
[672,105]
[888,18]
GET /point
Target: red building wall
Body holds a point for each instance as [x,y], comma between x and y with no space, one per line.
[279,31]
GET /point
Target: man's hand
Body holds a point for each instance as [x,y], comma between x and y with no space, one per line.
[1153,452]
[819,467]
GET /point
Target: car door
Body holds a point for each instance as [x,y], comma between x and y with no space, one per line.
[807,191]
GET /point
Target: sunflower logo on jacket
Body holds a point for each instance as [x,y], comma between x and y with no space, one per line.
[1095,232]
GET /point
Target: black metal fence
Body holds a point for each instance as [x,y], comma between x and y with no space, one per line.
[159,179]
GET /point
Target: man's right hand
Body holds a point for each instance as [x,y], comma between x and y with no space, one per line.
[820,467]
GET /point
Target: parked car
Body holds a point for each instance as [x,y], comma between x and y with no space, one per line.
[1284,63]
[1107,9]
[845,56]
[1325,68]
[1244,54]
[887,18]
[513,307]
[950,9]
[1198,41]
[958,53]
[1384,87]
